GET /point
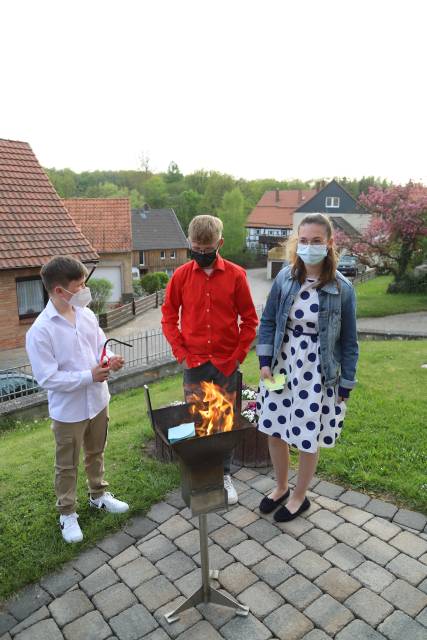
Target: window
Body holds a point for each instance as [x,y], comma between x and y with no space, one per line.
[332,201]
[141,259]
[162,255]
[31,297]
[172,255]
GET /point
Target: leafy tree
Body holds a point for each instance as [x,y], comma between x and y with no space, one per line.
[187,206]
[155,192]
[64,182]
[173,174]
[233,218]
[217,185]
[100,289]
[163,279]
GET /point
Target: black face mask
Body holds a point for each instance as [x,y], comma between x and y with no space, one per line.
[204,260]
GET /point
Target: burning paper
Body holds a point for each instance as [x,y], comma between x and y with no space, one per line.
[213,413]
[181,432]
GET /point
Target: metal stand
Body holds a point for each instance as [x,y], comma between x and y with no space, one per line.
[206,593]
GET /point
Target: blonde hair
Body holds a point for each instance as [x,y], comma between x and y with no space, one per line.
[329,264]
[205,229]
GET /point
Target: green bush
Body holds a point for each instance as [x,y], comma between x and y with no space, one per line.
[164,279]
[153,282]
[410,283]
[137,287]
[100,289]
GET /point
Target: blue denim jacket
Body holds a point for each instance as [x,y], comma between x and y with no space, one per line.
[339,350]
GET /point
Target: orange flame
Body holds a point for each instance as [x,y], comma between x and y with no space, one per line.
[219,413]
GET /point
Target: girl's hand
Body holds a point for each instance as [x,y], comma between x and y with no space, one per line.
[265,373]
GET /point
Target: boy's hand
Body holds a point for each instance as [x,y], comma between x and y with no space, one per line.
[116,363]
[265,372]
[100,374]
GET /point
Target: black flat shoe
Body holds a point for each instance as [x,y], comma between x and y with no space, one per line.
[284,515]
[267,505]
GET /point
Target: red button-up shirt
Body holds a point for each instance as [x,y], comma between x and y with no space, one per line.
[218,318]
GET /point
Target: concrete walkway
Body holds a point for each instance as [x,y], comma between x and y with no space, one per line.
[352,568]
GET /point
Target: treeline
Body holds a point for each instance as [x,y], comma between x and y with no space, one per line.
[230,198]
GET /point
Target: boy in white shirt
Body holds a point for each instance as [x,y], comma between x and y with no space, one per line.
[64,346]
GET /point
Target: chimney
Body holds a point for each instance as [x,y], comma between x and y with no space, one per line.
[277,194]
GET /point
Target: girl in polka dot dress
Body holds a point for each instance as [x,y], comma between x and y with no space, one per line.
[308,333]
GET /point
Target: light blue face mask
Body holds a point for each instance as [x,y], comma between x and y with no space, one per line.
[312,253]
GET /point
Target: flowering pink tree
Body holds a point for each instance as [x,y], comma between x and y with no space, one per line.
[397,227]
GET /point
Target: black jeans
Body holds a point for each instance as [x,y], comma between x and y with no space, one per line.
[207,372]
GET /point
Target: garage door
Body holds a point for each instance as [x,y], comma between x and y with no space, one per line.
[113,275]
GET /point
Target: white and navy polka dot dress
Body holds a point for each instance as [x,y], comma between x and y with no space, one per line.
[305,414]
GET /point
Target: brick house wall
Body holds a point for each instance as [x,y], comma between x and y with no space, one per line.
[12,328]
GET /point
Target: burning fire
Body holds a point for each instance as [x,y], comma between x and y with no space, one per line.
[219,413]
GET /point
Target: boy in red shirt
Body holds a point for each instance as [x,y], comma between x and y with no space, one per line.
[211,294]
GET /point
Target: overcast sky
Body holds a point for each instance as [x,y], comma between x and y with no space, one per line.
[272,88]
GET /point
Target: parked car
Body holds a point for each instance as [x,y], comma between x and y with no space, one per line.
[14,384]
[350,266]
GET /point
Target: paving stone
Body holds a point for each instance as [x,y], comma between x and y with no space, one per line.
[355,516]
[317,634]
[175,565]
[59,582]
[189,543]
[287,623]
[6,636]
[423,558]
[157,634]
[187,619]
[156,592]
[261,599]
[98,580]
[91,626]
[405,597]
[236,577]
[423,586]
[241,517]
[313,508]
[161,512]
[114,600]
[381,508]
[202,629]
[310,564]
[410,544]
[156,548]
[87,561]
[328,614]
[399,625]
[175,527]
[273,570]
[411,519]
[37,616]
[241,487]
[337,583]
[317,540]
[247,627]
[296,528]
[373,576]
[262,531]
[126,556]
[70,606]
[175,499]
[408,568]
[215,614]
[218,558]
[381,528]
[369,606]
[7,622]
[187,514]
[139,526]
[344,556]
[350,534]
[285,546]
[377,550]
[251,499]
[250,552]
[228,536]
[422,617]
[27,601]
[329,504]
[245,474]
[325,520]
[314,481]
[134,623]
[44,630]
[355,499]
[329,489]
[214,522]
[299,591]
[115,544]
[189,583]
[263,484]
[358,630]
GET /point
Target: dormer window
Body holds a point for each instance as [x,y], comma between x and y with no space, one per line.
[332,202]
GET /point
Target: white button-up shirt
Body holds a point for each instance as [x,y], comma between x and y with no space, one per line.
[62,357]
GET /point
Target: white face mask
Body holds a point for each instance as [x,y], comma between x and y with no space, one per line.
[80,299]
[312,253]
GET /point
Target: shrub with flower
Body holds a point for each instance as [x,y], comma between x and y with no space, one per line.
[249,404]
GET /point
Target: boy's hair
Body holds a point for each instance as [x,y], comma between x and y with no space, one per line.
[205,229]
[61,270]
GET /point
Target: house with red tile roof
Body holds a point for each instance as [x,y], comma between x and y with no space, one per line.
[106,223]
[271,221]
[34,227]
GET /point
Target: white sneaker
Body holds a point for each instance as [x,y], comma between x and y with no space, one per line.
[231,491]
[109,503]
[70,528]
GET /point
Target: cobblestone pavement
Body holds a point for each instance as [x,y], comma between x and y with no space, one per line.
[352,568]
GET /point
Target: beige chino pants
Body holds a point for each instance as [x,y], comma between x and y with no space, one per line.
[69,438]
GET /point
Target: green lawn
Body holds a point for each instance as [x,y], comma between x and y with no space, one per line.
[374,301]
[383,451]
